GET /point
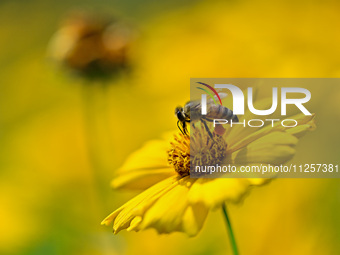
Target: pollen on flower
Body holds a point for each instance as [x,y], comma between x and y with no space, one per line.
[199,148]
[179,154]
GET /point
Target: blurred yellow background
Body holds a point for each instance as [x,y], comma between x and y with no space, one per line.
[63,137]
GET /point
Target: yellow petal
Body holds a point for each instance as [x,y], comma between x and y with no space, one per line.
[214,192]
[141,179]
[239,132]
[193,218]
[123,216]
[274,148]
[172,212]
[300,118]
[300,131]
[144,167]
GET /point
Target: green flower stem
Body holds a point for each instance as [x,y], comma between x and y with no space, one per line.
[90,113]
[230,231]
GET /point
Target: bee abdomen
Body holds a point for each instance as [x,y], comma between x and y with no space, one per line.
[221,112]
[227,113]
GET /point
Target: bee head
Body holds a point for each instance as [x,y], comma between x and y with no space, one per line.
[179,113]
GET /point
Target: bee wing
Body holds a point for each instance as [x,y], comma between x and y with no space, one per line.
[196,104]
[221,95]
[193,104]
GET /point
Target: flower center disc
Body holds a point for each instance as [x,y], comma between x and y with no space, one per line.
[179,154]
[205,151]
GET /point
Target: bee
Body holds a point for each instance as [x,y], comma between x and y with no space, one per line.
[191,113]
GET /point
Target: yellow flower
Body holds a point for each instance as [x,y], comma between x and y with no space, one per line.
[172,201]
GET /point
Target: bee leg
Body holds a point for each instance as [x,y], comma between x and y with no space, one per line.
[179,127]
[185,129]
[187,121]
[209,120]
[207,128]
